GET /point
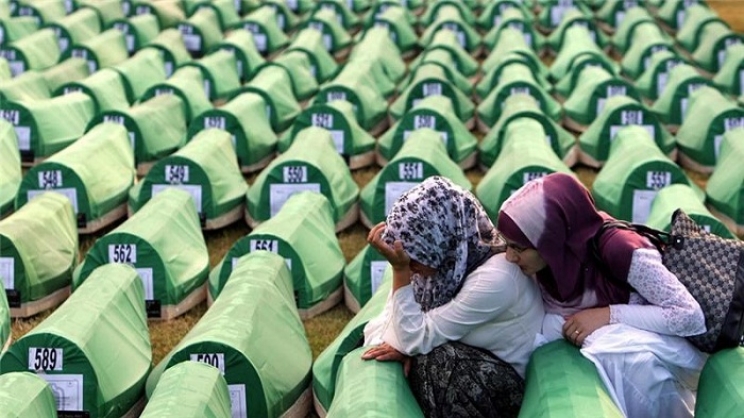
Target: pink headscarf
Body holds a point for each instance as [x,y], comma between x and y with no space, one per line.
[556,215]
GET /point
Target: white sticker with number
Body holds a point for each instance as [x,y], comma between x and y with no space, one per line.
[271,245]
[532,175]
[322,120]
[280,193]
[192,42]
[642,200]
[335,95]
[7,272]
[411,171]
[431,89]
[662,79]
[23,134]
[393,191]
[294,174]
[69,193]
[656,180]
[424,121]
[122,253]
[338,140]
[176,174]
[67,390]
[50,179]
[42,358]
[376,274]
[217,122]
[11,116]
[145,274]
[216,360]
[194,190]
[238,404]
[261,41]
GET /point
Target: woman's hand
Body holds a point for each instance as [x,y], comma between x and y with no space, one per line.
[385,352]
[581,324]
[395,255]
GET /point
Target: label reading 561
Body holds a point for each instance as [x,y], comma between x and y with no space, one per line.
[264,244]
[45,358]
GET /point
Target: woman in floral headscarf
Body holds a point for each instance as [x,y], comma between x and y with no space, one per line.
[467,317]
[622,306]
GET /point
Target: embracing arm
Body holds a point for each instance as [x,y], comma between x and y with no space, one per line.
[671,310]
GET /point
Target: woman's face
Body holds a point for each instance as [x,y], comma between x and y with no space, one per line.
[528,259]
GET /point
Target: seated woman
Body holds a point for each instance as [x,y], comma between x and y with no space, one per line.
[622,306]
[467,318]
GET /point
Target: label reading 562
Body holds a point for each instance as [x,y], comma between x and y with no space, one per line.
[123,253]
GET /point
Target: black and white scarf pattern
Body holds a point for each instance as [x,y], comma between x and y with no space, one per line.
[443,226]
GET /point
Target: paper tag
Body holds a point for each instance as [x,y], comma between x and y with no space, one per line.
[322,120]
[733,123]
[216,360]
[67,390]
[338,140]
[532,175]
[376,274]
[327,42]
[122,253]
[411,171]
[642,200]
[741,83]
[294,174]
[656,180]
[661,81]
[393,191]
[23,135]
[270,245]
[292,4]
[261,41]
[280,193]
[192,42]
[619,17]
[145,274]
[424,121]
[631,117]
[69,193]
[194,190]
[556,14]
[7,272]
[431,89]
[41,359]
[615,129]
[217,122]
[176,174]
[63,43]
[237,401]
[717,141]
[335,95]
[50,179]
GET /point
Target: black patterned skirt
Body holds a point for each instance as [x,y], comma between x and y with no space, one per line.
[457,380]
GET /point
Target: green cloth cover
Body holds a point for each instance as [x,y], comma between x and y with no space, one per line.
[44,11]
[719,392]
[376,46]
[682,196]
[355,85]
[565,86]
[431,80]
[38,248]
[36,51]
[562,383]
[492,77]
[625,35]
[335,37]
[44,127]
[449,18]
[201,31]
[172,46]
[24,394]
[337,117]
[310,163]
[253,334]
[672,104]
[156,127]
[206,167]
[698,16]
[525,156]
[95,173]
[674,12]
[620,111]
[589,97]
[730,78]
[444,59]
[422,155]
[653,81]
[493,12]
[574,17]
[439,8]
[163,242]
[10,167]
[299,66]
[375,387]
[109,10]
[245,118]
[613,13]
[648,39]
[138,30]
[267,34]
[76,27]
[395,19]
[140,72]
[433,112]
[106,87]
[247,58]
[169,13]
[515,19]
[226,11]
[188,85]
[71,69]
[101,345]
[711,52]
[447,40]
[634,172]
[344,15]
[286,18]
[710,115]
[274,84]
[219,73]
[518,106]
[326,366]
[512,41]
[310,41]
[516,78]
[190,390]
[103,50]
[553,12]
[15,28]
[363,274]
[577,40]
[725,186]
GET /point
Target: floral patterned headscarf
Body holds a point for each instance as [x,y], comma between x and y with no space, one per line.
[442,226]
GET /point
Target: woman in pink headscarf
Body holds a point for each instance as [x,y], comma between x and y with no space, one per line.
[625,310]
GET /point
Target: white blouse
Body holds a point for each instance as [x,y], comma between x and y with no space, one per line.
[498,309]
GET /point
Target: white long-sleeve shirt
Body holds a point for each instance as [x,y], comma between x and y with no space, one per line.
[498,309]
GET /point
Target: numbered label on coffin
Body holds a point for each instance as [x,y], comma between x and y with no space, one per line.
[256,242]
[67,390]
[45,359]
[428,88]
[191,38]
[127,254]
[7,272]
[216,360]
[270,245]
[333,123]
[629,117]
[295,179]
